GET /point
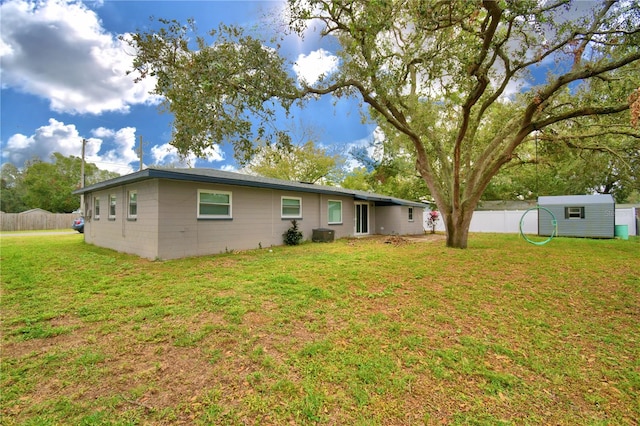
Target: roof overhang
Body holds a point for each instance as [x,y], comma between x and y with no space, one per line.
[229,178]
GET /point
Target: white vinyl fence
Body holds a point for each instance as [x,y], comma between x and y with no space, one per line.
[508,221]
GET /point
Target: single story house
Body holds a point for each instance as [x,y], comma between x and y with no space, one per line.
[590,216]
[174,213]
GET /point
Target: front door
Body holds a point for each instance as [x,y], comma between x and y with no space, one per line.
[362,218]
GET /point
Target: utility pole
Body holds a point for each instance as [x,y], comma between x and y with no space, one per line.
[82,179]
[140,152]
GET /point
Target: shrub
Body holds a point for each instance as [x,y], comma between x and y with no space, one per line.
[293,236]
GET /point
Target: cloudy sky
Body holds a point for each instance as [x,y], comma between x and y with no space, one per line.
[63,74]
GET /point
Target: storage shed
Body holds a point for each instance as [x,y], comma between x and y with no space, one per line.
[591,216]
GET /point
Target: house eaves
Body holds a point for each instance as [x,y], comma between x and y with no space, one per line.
[230,178]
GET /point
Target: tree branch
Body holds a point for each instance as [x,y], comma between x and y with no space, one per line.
[580,112]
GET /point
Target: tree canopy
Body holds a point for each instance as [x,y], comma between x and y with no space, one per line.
[389,170]
[47,185]
[459,85]
[300,163]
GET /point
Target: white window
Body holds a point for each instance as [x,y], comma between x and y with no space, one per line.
[410,214]
[214,204]
[291,207]
[335,212]
[133,205]
[112,206]
[96,208]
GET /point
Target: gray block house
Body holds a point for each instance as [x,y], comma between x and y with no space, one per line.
[590,216]
[174,213]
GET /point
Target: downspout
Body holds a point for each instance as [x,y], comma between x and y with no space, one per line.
[320,211]
[124,210]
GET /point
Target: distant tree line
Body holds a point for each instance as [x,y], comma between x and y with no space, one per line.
[547,165]
[46,185]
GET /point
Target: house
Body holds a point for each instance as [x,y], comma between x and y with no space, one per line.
[578,215]
[173,213]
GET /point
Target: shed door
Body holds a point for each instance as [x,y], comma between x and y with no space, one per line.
[362,218]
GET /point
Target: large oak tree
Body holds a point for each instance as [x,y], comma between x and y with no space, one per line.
[461,84]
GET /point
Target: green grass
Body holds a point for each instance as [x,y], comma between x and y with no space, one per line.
[354,332]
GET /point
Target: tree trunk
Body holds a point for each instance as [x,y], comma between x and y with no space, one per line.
[457,224]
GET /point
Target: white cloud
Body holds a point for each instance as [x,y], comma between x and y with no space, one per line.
[163,154]
[108,149]
[122,150]
[58,50]
[373,143]
[167,154]
[317,64]
[54,137]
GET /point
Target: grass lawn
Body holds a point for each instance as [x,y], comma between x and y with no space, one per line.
[356,332]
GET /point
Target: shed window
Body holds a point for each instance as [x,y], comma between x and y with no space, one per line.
[291,207]
[133,205]
[410,214]
[112,206]
[96,208]
[574,212]
[335,212]
[214,204]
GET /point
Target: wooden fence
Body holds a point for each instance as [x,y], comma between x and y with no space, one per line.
[36,220]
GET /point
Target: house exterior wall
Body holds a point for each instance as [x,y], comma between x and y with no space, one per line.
[138,236]
[395,220]
[598,221]
[256,219]
[167,226]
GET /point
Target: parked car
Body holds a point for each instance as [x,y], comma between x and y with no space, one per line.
[78,225]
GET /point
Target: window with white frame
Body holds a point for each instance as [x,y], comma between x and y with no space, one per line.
[291,207]
[112,206]
[410,214]
[96,208]
[214,204]
[335,212]
[132,212]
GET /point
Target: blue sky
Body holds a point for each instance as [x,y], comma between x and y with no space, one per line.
[63,79]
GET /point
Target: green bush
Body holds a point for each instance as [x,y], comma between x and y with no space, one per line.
[293,236]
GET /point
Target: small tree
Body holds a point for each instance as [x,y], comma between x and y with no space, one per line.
[293,236]
[432,221]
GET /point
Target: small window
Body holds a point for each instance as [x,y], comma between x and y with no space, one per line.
[112,206]
[291,207]
[574,212]
[214,204]
[96,208]
[335,212]
[410,214]
[133,205]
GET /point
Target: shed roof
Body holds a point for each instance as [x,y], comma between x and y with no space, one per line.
[231,178]
[576,199]
[35,211]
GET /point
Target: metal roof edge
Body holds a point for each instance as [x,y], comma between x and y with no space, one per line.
[231,178]
[573,199]
[120,180]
